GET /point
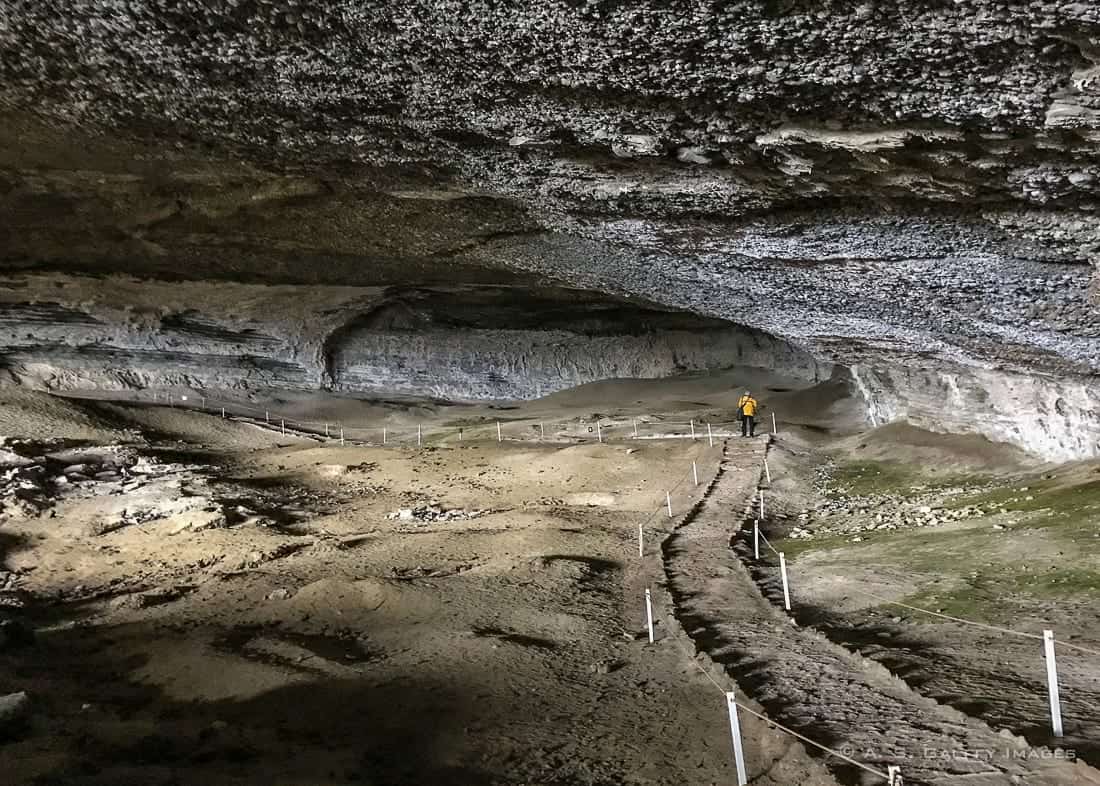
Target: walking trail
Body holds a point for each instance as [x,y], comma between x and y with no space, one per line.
[815,687]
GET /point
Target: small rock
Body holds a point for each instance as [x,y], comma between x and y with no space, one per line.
[279,594]
[602,667]
[14,710]
[160,595]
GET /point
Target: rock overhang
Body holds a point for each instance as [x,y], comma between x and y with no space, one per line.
[907,182]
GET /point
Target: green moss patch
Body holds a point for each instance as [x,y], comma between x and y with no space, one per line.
[866,478]
[995,594]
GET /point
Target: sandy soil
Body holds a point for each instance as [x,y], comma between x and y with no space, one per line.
[187,598]
[235,610]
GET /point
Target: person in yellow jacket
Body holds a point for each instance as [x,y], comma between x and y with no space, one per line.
[746,408]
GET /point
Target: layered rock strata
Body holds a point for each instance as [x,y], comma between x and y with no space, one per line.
[69,334]
[908,187]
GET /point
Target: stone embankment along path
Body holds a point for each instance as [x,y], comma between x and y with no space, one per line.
[817,688]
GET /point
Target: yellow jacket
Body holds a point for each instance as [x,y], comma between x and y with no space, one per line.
[748,405]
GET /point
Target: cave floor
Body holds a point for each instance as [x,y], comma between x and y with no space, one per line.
[253,611]
[885,531]
[213,601]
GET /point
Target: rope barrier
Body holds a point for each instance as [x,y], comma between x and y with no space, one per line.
[877,773]
[818,745]
[795,734]
[350,431]
[986,626]
[767,543]
[672,490]
[960,620]
[656,511]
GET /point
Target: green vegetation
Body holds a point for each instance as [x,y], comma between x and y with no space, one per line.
[1070,511]
[793,547]
[992,595]
[1045,494]
[995,567]
[973,572]
[863,478]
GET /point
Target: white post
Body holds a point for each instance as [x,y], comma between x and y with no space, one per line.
[668,499]
[893,773]
[383,435]
[735,732]
[204,403]
[761,503]
[599,432]
[267,416]
[786,587]
[282,425]
[326,429]
[756,540]
[634,421]
[341,435]
[1052,684]
[641,541]
[649,613]
[419,435]
[695,472]
[767,472]
[499,437]
[542,432]
[223,413]
[693,429]
[710,436]
[774,429]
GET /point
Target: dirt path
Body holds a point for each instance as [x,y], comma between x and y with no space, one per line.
[820,689]
[1001,568]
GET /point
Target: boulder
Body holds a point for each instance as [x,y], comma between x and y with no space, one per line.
[15,709]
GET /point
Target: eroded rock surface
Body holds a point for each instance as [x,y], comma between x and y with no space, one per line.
[910,187]
[80,333]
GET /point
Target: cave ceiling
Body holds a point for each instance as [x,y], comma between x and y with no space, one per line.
[912,179]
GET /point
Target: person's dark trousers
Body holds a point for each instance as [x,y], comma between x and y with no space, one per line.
[748,426]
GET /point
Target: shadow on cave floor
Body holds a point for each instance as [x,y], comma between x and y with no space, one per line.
[8,544]
[1000,687]
[99,719]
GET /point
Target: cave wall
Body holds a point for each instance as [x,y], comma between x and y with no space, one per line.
[68,333]
[72,333]
[526,364]
[1055,418]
